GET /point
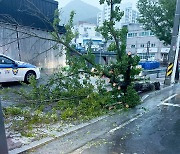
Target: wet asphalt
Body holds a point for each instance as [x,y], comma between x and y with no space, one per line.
[10,97]
[151,128]
[155,132]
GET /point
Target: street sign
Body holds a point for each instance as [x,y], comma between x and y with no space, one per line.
[169,69]
[3,142]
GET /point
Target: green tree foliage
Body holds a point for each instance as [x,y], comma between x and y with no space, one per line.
[158,17]
[70,93]
[117,72]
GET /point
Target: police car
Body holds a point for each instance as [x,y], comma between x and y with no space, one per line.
[11,70]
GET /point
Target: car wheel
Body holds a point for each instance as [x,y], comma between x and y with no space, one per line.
[151,87]
[29,75]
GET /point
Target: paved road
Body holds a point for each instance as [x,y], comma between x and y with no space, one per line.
[147,129]
[153,127]
[156,132]
[13,98]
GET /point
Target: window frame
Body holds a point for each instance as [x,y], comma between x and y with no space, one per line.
[12,61]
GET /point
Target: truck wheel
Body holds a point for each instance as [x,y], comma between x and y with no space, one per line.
[151,87]
[157,85]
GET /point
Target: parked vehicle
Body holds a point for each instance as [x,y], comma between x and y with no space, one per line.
[12,70]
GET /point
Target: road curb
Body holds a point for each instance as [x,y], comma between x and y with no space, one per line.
[155,93]
[46,140]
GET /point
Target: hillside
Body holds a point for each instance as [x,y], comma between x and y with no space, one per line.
[84,12]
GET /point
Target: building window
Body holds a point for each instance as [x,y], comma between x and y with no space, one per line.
[153,45]
[151,33]
[143,56]
[152,55]
[142,45]
[132,34]
[85,29]
[141,34]
[145,33]
[133,46]
[164,56]
[129,34]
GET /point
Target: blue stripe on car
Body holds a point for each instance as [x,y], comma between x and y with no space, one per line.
[24,65]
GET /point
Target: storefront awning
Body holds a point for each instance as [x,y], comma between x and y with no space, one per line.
[144,50]
[165,50]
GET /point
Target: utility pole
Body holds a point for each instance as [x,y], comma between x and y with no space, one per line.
[172,68]
[147,54]
[175,73]
[3,142]
[18,43]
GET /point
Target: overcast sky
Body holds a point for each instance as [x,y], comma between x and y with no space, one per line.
[62,3]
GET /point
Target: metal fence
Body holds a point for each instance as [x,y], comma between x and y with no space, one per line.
[154,71]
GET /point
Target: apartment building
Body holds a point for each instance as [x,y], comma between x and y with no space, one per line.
[130,15]
[87,36]
[140,41]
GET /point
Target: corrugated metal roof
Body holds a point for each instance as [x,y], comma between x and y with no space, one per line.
[37,14]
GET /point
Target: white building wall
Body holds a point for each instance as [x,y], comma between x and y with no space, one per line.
[100,19]
[137,39]
[106,12]
[31,49]
[87,31]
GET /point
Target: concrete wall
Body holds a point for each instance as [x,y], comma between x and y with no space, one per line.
[17,44]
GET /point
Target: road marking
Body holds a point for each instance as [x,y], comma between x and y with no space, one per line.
[124,124]
[144,97]
[169,104]
[169,98]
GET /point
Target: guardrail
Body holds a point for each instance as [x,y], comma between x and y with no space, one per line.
[3,141]
[154,71]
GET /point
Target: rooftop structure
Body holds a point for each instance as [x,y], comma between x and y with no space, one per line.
[37,14]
